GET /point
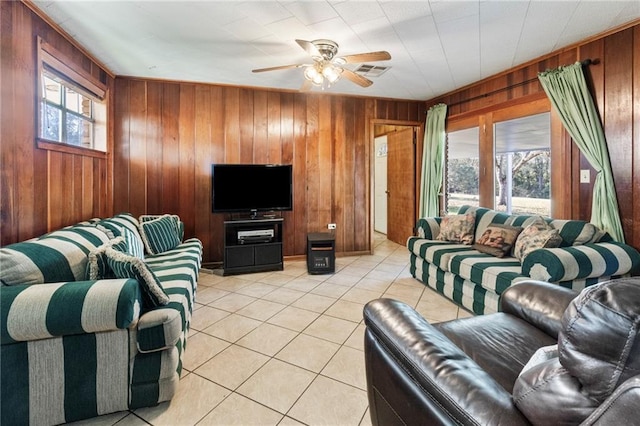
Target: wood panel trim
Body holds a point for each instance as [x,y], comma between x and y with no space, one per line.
[69,149]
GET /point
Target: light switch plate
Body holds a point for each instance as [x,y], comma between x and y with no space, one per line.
[585,176]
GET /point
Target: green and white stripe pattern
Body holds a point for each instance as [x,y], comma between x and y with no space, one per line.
[56,257]
[476,280]
[127,226]
[160,234]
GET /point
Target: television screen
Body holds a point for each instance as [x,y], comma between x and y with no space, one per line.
[251,187]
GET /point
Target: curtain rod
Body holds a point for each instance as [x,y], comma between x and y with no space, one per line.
[584,63]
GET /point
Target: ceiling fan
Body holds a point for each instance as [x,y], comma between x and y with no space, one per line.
[327,68]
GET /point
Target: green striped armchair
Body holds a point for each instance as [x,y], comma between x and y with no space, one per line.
[77,341]
[581,256]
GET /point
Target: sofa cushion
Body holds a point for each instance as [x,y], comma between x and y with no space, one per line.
[160,234]
[55,257]
[180,224]
[127,226]
[458,228]
[497,240]
[577,232]
[126,266]
[535,236]
[97,266]
[492,273]
[438,253]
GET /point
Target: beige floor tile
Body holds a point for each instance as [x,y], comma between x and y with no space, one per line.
[293,318]
[277,279]
[237,410]
[335,330]
[121,417]
[256,289]
[285,296]
[382,275]
[397,289]
[314,302]
[359,295]
[356,340]
[328,402]
[345,279]
[373,285]
[463,313]
[201,347]
[346,310]
[205,316]
[195,397]
[277,385]
[330,290]
[267,339]
[366,419]
[308,352]
[232,327]
[261,310]
[232,284]
[210,294]
[232,302]
[347,366]
[288,421]
[231,367]
[302,284]
[437,310]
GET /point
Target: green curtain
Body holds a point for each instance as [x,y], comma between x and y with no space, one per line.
[432,160]
[568,92]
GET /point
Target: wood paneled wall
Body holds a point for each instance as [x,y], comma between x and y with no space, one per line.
[615,86]
[40,189]
[169,133]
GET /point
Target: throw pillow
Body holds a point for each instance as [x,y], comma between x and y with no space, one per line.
[97,266]
[161,234]
[126,266]
[458,228]
[497,239]
[535,236]
[179,223]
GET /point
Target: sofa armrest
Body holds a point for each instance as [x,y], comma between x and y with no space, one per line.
[160,328]
[539,303]
[428,227]
[415,372]
[580,262]
[620,408]
[42,311]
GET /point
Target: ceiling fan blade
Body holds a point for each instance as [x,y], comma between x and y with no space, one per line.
[366,57]
[356,78]
[309,47]
[281,67]
[306,86]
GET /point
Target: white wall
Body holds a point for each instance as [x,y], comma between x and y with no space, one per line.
[380,185]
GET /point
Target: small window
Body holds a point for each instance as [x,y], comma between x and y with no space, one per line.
[72,106]
[67,114]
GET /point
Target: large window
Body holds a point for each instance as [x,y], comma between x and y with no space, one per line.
[522,165]
[461,177]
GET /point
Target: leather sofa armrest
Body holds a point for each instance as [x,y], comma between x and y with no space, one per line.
[622,407]
[407,359]
[539,303]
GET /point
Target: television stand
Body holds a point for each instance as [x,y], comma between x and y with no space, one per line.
[252,245]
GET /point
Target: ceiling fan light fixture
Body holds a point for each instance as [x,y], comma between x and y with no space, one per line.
[331,73]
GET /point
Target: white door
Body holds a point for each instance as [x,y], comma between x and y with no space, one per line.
[380,185]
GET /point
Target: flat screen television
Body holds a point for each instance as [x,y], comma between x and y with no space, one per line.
[251,188]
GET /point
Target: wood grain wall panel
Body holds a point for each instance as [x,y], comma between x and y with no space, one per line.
[613,83]
[123,117]
[138,152]
[232,125]
[256,142]
[170,148]
[153,141]
[300,172]
[186,147]
[40,189]
[340,174]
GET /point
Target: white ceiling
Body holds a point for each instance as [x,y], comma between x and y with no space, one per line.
[436,45]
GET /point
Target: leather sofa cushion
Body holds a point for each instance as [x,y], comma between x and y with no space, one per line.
[500,344]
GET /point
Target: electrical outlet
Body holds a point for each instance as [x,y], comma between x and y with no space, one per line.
[331,226]
[585,176]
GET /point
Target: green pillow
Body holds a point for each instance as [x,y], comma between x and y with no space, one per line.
[126,266]
[97,266]
[161,234]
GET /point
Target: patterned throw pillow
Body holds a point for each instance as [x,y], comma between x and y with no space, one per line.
[497,239]
[125,266]
[535,236]
[179,223]
[161,234]
[125,225]
[97,266]
[458,228]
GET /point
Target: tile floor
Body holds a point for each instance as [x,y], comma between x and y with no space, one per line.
[286,347]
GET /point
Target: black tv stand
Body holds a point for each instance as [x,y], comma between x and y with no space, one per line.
[252,245]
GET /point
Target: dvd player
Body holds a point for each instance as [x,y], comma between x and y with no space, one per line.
[255,233]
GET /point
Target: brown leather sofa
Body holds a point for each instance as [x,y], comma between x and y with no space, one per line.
[482,370]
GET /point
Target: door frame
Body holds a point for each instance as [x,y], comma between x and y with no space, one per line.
[419,129]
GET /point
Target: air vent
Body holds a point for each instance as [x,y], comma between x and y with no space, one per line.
[371,70]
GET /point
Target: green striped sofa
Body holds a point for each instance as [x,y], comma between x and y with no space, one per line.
[475,280]
[74,348]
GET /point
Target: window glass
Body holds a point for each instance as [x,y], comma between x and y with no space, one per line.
[522,165]
[461,177]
